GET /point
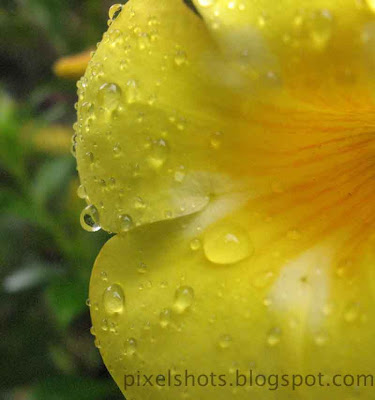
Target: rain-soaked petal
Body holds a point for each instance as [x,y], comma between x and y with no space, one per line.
[253,129]
[314,45]
[150,117]
[274,312]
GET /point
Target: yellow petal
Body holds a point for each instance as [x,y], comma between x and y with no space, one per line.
[265,153]
[72,67]
[164,298]
[148,122]
[317,44]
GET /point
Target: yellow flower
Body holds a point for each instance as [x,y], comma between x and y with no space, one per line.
[233,155]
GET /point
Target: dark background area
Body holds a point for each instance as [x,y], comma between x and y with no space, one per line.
[46,349]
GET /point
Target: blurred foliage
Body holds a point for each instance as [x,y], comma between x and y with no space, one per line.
[46,348]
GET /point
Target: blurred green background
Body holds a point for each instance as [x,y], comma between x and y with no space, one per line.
[46,349]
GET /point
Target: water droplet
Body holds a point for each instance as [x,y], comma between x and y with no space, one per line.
[90,219]
[179,176]
[117,150]
[263,279]
[113,327]
[142,268]
[90,157]
[109,96]
[262,20]
[139,203]
[159,153]
[125,222]
[103,276]
[92,331]
[195,244]
[130,347]
[225,341]
[274,336]
[114,11]
[104,325]
[88,303]
[124,64]
[184,298]
[143,41]
[132,92]
[113,299]
[165,317]
[227,244]
[73,148]
[321,29]
[153,21]
[81,192]
[206,3]
[180,58]
[215,140]
[351,312]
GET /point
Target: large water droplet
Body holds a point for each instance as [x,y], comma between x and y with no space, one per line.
[184,298]
[90,219]
[227,244]
[113,299]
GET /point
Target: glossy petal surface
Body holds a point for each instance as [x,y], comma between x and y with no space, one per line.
[252,131]
[184,312]
[147,117]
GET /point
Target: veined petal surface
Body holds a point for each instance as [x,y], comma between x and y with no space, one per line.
[147,117]
[183,310]
[253,129]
